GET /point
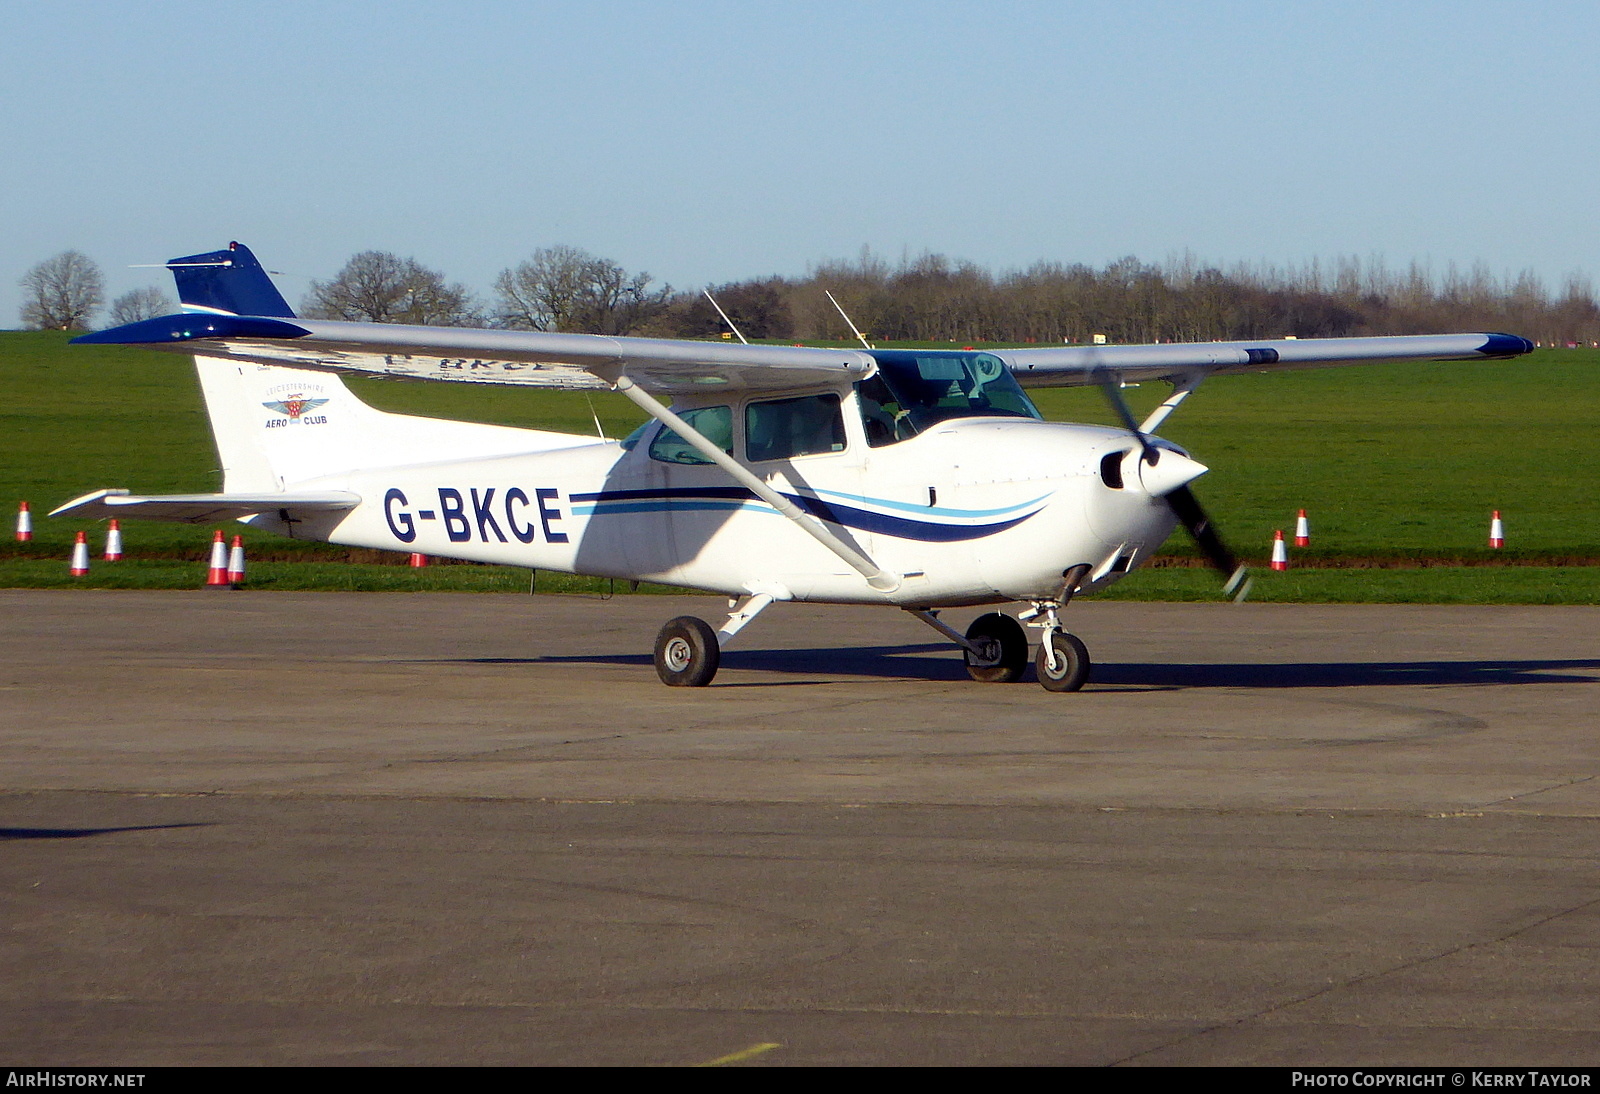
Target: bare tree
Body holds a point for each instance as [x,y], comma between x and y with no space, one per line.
[759,308]
[618,302]
[380,287]
[140,304]
[61,293]
[542,293]
[568,289]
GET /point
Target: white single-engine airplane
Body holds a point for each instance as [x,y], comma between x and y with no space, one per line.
[917,479]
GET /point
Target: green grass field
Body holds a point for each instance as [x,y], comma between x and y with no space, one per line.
[1399,467]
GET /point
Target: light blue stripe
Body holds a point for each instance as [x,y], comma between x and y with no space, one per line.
[931,510]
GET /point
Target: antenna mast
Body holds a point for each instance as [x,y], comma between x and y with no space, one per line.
[725,318]
[852,326]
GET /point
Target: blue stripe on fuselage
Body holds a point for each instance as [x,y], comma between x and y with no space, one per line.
[728,498]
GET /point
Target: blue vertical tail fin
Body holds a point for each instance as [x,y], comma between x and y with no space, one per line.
[231,282]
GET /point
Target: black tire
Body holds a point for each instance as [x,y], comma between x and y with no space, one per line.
[1008,644]
[1072,664]
[687,654]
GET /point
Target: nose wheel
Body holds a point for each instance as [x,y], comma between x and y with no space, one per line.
[1062,662]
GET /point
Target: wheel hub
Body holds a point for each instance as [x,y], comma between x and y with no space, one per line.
[678,654]
[988,652]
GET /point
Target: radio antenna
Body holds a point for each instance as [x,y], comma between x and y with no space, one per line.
[598,428]
[851,325]
[725,318]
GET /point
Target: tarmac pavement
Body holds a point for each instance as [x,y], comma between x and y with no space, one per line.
[244,827]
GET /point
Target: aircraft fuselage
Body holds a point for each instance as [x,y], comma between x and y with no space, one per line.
[971,511]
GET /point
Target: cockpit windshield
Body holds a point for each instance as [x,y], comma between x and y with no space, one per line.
[915,389]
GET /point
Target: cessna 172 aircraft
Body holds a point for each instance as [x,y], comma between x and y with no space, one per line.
[917,479]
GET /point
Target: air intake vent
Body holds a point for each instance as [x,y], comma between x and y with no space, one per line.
[1111,468]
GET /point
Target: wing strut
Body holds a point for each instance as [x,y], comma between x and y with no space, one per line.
[877,577]
[1181,389]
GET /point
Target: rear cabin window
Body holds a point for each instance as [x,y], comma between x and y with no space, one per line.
[803,426]
[715,423]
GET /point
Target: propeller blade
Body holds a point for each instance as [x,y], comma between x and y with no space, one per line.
[1193,517]
[1182,499]
[1113,389]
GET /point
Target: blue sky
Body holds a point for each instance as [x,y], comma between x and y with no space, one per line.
[706,142]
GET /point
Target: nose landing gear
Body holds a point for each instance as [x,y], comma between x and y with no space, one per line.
[1062,663]
[996,646]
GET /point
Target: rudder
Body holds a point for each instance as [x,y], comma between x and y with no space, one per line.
[231,282]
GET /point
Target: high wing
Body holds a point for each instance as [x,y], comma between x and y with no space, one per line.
[1070,366]
[233,310]
[533,358]
[670,367]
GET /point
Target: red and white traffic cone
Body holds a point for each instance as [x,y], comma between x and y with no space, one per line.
[80,556]
[217,574]
[1497,531]
[1280,553]
[24,524]
[236,562]
[1302,530]
[418,561]
[113,542]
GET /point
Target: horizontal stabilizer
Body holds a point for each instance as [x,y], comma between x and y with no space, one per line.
[203,508]
[189,327]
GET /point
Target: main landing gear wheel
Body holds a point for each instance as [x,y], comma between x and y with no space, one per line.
[1071,669]
[1005,646]
[687,653]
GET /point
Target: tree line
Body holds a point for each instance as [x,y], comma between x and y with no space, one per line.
[928,298]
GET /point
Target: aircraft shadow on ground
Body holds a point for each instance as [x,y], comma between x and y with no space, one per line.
[936,662]
[1349,674]
[80,833]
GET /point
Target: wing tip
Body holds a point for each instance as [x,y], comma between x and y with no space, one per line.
[1499,344]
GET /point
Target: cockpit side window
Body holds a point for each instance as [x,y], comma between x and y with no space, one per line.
[802,426]
[882,416]
[715,423]
[632,440]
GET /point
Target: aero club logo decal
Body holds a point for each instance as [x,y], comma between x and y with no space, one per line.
[295,403]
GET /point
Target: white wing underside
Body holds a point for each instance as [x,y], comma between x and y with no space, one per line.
[670,367]
[536,359]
